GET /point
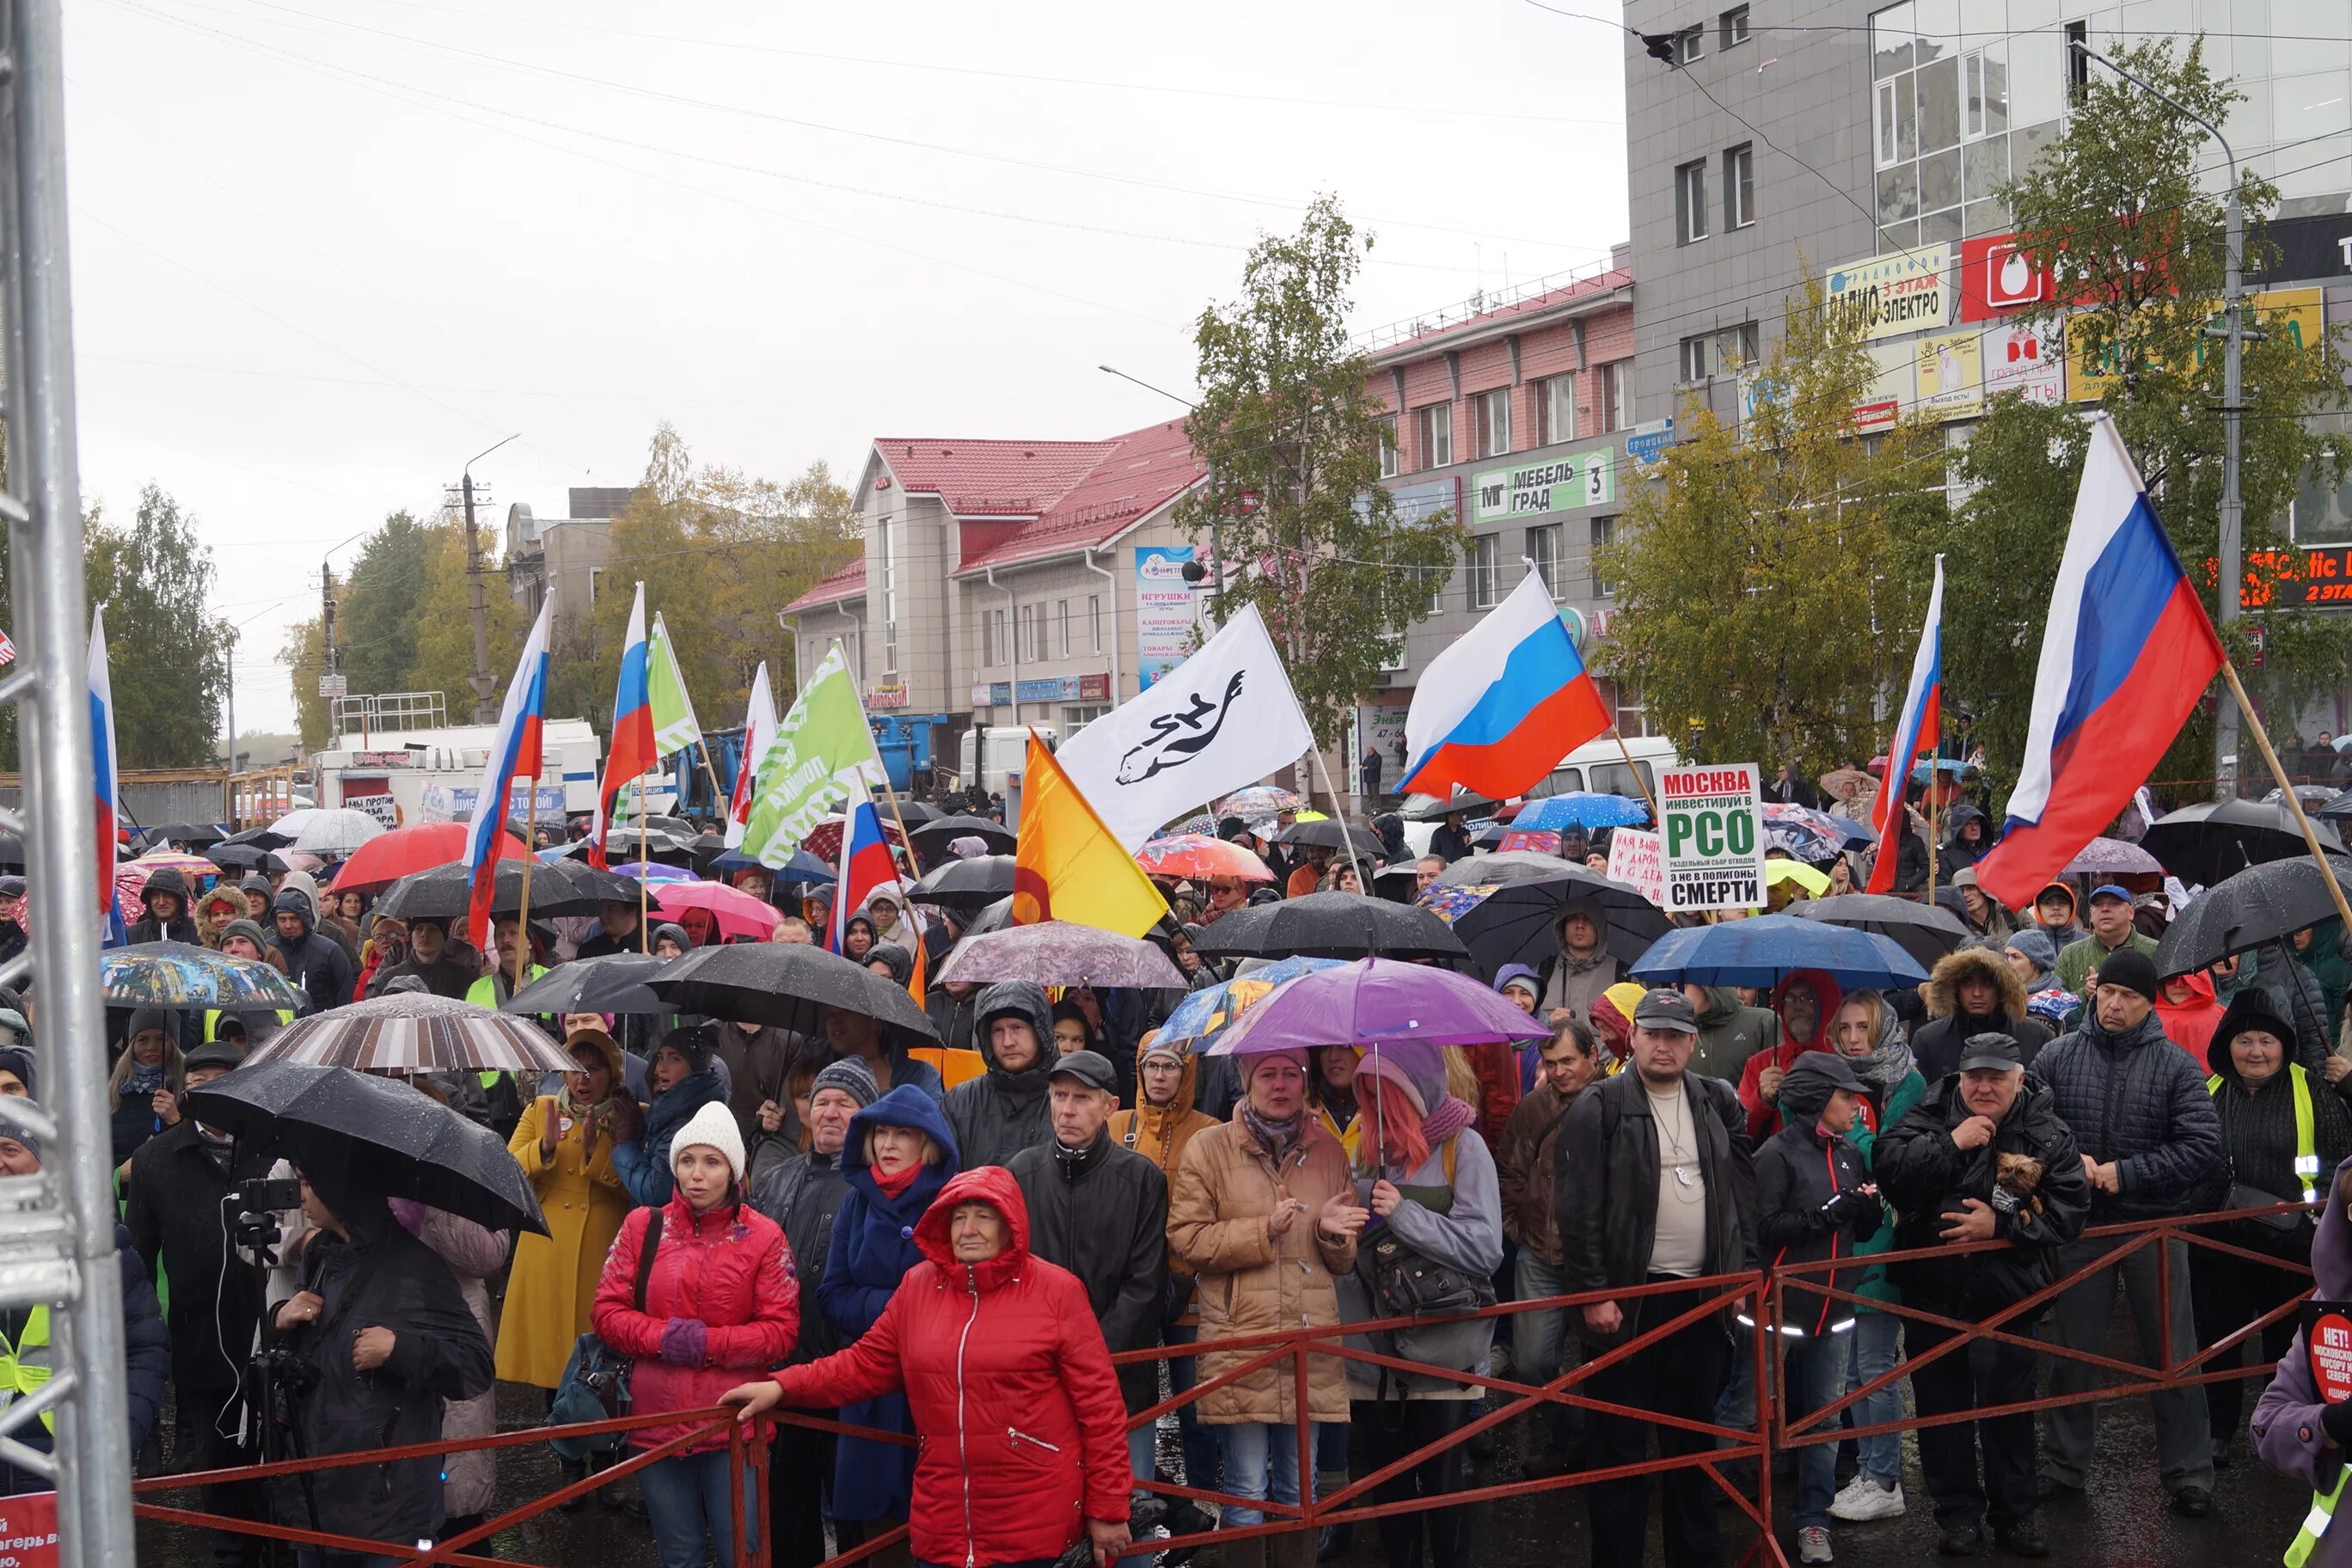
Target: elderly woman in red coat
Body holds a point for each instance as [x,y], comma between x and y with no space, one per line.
[1007,1377]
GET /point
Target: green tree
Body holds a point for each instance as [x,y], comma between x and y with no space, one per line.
[2117,212]
[444,623]
[377,620]
[1293,438]
[304,655]
[167,652]
[1757,614]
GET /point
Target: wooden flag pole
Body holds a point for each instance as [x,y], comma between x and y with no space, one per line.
[1622,750]
[645,931]
[719,797]
[2303,820]
[1347,832]
[906,905]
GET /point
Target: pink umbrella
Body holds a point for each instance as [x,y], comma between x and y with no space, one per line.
[738,914]
[130,879]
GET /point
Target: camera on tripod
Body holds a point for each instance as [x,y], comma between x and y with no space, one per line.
[258,1202]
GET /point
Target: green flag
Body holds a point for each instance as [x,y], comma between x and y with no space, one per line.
[821,753]
[674,726]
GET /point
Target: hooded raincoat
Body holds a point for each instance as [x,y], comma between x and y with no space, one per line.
[1763,1116]
[2289,1425]
[999,1113]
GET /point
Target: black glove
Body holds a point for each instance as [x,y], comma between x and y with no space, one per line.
[2337,1420]
[1838,1211]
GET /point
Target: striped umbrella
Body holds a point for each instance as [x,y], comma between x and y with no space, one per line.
[408,1033]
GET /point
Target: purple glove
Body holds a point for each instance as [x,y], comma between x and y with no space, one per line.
[682,1341]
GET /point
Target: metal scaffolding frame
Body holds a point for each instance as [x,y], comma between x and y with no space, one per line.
[56,1228]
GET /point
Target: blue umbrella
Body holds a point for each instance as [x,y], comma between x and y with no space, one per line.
[1951,768]
[1582,808]
[1205,1015]
[1761,950]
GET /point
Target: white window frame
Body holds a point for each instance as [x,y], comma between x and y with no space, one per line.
[1690,201]
[1435,431]
[1543,549]
[1690,46]
[1604,534]
[1556,396]
[1691,360]
[1478,558]
[1094,618]
[1491,413]
[1731,28]
[1062,614]
[1391,455]
[1739,185]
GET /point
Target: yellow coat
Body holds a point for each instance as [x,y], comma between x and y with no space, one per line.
[554,1283]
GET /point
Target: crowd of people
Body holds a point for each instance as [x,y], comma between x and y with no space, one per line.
[818,1220]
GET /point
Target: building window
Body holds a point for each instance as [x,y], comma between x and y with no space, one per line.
[1094,618]
[1690,201]
[1076,719]
[1436,424]
[988,639]
[1543,549]
[1478,560]
[1433,580]
[887,551]
[1493,411]
[1735,350]
[594,574]
[1690,45]
[1739,185]
[2078,64]
[1604,534]
[1555,410]
[1391,461]
[1691,368]
[1617,396]
[1731,28]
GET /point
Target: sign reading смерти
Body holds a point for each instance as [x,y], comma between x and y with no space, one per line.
[1712,825]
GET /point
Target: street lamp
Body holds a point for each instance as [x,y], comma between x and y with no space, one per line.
[2233,509]
[1194,571]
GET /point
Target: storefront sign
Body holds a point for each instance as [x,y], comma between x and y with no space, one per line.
[2295,314]
[1164,607]
[1063,689]
[1713,830]
[2025,357]
[1949,371]
[2310,248]
[2315,578]
[1996,278]
[991,693]
[1556,484]
[1890,296]
[887,694]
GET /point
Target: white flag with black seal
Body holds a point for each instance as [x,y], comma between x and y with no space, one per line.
[1224,718]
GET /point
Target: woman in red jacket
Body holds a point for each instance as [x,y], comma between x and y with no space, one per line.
[1007,1377]
[719,1301]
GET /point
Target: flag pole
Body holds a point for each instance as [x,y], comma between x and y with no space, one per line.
[1347,832]
[719,800]
[2294,803]
[1931,828]
[906,904]
[645,931]
[530,831]
[1628,756]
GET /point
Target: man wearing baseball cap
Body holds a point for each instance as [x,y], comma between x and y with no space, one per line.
[1101,1212]
[1655,1183]
[2111,932]
[2150,1139]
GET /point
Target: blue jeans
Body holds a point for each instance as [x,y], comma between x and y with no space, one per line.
[1198,1441]
[1816,1376]
[1261,1462]
[1877,1350]
[686,1501]
[1539,1339]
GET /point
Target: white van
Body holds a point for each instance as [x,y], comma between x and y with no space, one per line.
[991,753]
[1600,767]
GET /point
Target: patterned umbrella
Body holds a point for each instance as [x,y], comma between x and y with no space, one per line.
[130,879]
[1058,952]
[175,975]
[1203,1016]
[1198,858]
[823,841]
[1811,835]
[411,1033]
[2112,857]
[1580,808]
[1199,822]
[1509,866]
[1259,800]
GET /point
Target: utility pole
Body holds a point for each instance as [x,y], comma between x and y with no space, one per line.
[2231,511]
[481,683]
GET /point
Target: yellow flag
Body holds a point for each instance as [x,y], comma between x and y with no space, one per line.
[1067,865]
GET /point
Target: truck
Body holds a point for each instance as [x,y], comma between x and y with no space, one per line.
[993,753]
[405,775]
[904,741]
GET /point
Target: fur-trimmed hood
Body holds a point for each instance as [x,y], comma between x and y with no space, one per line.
[1943,988]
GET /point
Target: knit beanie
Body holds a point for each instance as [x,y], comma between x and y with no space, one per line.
[713,1126]
[2035,943]
[18,1060]
[2131,969]
[32,1145]
[695,1043]
[850,1075]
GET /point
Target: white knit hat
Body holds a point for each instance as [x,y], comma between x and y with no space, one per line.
[714,1127]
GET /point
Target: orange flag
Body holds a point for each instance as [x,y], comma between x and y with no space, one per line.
[1066,866]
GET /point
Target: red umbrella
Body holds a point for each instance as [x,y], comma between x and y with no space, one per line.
[388,856]
[737,912]
[1198,857]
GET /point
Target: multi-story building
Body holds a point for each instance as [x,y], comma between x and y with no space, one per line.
[1012,582]
[1514,415]
[563,558]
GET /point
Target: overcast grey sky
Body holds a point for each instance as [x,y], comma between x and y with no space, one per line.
[324,251]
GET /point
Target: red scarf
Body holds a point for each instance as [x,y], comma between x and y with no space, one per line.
[895,1185]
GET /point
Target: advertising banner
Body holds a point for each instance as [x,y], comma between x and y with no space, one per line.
[1889,296]
[2027,358]
[1712,824]
[1556,484]
[1950,373]
[1163,609]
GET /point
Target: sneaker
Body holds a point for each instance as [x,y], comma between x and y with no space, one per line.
[1966,1541]
[1865,1498]
[1813,1545]
[2023,1539]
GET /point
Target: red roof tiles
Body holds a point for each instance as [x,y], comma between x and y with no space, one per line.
[845,582]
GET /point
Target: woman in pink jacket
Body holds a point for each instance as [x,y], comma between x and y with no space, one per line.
[718,1303]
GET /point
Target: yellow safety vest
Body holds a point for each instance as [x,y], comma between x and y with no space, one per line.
[2314,1523]
[484,993]
[2306,1143]
[24,1369]
[213,1018]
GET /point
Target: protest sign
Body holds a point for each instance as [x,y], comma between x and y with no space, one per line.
[28,1531]
[1636,859]
[2327,1334]
[1712,832]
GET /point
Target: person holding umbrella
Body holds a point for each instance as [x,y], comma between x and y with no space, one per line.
[1970,991]
[431,961]
[1804,1002]
[683,1082]
[143,1095]
[1575,977]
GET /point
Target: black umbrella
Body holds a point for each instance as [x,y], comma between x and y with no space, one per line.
[401,1140]
[260,838]
[966,884]
[2336,809]
[1331,925]
[932,839]
[190,835]
[613,983]
[784,983]
[446,893]
[244,857]
[1330,832]
[1926,931]
[912,813]
[1518,923]
[1428,808]
[12,852]
[2213,840]
[1504,866]
[2262,904]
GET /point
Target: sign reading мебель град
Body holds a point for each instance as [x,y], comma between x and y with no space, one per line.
[1556,484]
[1713,828]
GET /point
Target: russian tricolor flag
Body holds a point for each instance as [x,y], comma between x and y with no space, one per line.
[514,755]
[1499,709]
[631,755]
[866,867]
[104,780]
[2127,652]
[1916,731]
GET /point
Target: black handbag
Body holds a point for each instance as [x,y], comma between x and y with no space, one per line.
[597,1371]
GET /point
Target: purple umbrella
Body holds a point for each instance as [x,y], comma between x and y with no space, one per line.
[1377,1001]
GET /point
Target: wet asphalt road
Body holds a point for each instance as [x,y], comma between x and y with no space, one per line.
[2124,1521]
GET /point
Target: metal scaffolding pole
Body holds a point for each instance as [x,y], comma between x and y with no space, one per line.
[57,1229]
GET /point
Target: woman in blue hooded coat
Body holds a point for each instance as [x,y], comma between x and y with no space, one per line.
[897,1155]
